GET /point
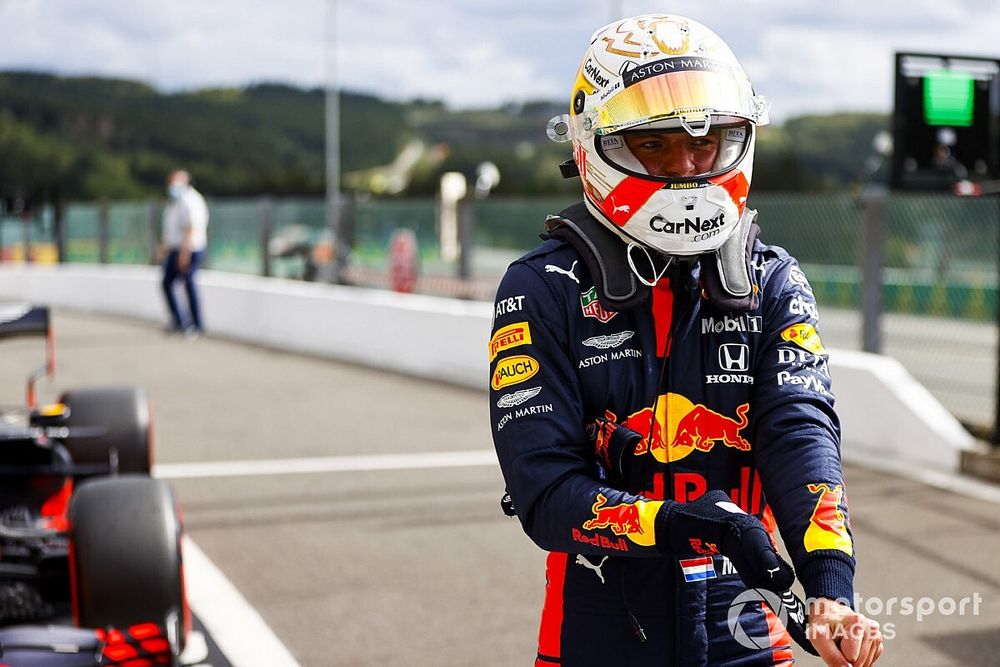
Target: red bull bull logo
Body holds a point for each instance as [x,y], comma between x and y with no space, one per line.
[681,427]
[703,548]
[621,519]
[633,520]
[828,525]
[703,427]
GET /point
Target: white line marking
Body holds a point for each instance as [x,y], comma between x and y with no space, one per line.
[236,627]
[478,457]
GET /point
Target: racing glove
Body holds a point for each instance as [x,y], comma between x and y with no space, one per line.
[715,521]
[614,446]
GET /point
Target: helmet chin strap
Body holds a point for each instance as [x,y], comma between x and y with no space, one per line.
[656,275]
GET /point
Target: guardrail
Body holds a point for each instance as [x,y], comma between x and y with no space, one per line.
[938,260]
[885,413]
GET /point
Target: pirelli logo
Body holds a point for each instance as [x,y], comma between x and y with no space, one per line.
[509,336]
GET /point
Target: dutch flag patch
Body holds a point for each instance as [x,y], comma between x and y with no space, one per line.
[698,569]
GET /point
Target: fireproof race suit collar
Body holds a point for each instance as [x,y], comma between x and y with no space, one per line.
[726,273]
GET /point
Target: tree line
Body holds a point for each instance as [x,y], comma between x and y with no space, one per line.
[88,138]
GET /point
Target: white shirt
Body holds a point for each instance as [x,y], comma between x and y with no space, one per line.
[187,211]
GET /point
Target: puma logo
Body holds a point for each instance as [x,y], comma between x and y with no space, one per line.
[552,268]
[580,560]
[624,208]
[772,571]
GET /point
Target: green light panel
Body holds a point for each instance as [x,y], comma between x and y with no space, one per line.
[948,97]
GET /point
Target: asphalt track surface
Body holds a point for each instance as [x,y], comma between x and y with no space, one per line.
[418,566]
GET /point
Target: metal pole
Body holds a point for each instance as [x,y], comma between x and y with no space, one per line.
[333,213]
[60,223]
[102,232]
[345,233]
[26,237]
[465,238]
[152,218]
[265,210]
[995,440]
[872,240]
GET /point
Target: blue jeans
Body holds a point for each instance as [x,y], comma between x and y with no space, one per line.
[171,272]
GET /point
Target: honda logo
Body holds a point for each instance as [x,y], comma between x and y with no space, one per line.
[734,356]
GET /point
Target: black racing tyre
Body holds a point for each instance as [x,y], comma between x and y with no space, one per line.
[126,555]
[107,418]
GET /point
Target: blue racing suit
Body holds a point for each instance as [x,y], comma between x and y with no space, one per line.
[739,402]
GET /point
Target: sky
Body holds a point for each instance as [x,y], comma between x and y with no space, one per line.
[806,57]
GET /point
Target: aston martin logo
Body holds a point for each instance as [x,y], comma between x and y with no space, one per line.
[518,397]
[606,342]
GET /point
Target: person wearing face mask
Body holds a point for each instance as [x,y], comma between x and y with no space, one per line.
[185,223]
[660,397]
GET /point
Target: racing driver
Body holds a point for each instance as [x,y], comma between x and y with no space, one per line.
[660,398]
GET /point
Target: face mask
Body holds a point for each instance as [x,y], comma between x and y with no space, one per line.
[175,191]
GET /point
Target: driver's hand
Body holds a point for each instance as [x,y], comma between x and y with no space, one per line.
[842,636]
[714,519]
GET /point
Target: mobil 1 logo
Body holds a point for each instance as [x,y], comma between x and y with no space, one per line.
[731,324]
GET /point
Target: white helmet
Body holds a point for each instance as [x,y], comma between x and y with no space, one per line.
[664,78]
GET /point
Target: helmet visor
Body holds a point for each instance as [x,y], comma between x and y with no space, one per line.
[673,153]
[675,88]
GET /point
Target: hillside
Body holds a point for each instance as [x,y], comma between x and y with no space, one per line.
[74,138]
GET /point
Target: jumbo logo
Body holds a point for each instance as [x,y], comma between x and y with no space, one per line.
[805,336]
[681,427]
[827,525]
[509,336]
[513,370]
[633,520]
